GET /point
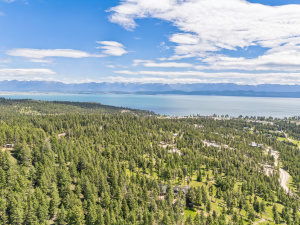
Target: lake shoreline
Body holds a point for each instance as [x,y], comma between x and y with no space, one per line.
[295,95]
[180,105]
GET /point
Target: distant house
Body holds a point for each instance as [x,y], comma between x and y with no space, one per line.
[175,135]
[198,126]
[176,190]
[254,144]
[61,135]
[163,189]
[184,190]
[9,145]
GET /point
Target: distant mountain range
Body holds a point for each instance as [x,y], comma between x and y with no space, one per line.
[222,89]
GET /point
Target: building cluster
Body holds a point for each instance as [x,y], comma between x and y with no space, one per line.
[254,144]
[163,189]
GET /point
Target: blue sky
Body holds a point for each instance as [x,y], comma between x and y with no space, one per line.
[168,41]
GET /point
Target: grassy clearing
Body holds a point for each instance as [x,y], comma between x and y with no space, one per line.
[191,212]
[295,142]
[284,139]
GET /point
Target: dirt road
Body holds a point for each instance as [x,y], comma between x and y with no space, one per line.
[284,176]
[284,179]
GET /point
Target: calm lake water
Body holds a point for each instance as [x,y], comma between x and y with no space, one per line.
[183,105]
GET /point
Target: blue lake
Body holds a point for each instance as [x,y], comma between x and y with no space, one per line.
[183,105]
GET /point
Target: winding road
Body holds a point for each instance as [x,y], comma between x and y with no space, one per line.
[284,176]
[284,179]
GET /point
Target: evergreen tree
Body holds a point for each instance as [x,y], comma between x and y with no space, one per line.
[61,216]
[125,209]
[197,219]
[262,206]
[43,207]
[208,207]
[31,217]
[199,176]
[189,220]
[100,219]
[55,200]
[3,208]
[16,212]
[251,214]
[76,216]
[91,217]
[190,197]
[198,196]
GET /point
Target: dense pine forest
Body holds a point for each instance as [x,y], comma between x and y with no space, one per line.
[87,163]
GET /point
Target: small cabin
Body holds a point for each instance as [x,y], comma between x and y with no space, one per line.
[9,145]
[176,190]
[184,190]
[254,144]
[163,189]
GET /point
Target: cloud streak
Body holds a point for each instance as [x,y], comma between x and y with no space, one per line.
[112,48]
[208,26]
[221,77]
[4,60]
[150,63]
[8,1]
[109,48]
[44,53]
[26,72]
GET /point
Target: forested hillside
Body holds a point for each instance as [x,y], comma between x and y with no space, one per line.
[86,163]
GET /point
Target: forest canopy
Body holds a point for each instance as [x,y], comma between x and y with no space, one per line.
[87,163]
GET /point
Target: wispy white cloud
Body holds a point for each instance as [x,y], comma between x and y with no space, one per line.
[44,53]
[26,72]
[223,77]
[285,57]
[282,58]
[163,46]
[168,64]
[112,48]
[189,80]
[41,60]
[209,26]
[138,62]
[2,13]
[113,79]
[5,60]
[187,39]
[150,63]
[223,24]
[8,1]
